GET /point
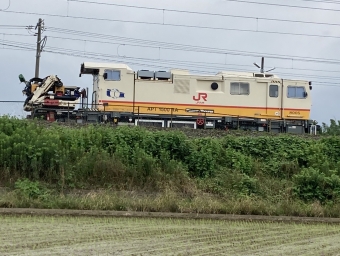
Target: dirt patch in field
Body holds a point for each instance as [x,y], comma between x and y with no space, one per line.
[93,213]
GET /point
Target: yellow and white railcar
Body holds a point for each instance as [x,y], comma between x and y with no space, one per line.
[257,101]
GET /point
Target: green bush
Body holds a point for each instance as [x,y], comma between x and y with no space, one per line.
[137,158]
[30,190]
[311,184]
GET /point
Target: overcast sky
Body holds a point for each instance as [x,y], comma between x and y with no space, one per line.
[326,81]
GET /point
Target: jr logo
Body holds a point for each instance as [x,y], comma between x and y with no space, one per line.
[115,93]
[201,95]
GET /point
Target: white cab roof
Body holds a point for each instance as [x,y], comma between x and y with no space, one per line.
[96,65]
[243,74]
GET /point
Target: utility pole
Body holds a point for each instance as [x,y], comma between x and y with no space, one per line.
[39,48]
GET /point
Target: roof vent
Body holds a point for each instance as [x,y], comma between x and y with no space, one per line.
[145,74]
[162,75]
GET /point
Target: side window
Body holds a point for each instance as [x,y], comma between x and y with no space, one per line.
[239,88]
[112,75]
[300,92]
[297,92]
[273,91]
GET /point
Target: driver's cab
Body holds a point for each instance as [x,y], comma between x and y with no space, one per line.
[111,82]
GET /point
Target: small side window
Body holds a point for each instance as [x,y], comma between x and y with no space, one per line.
[273,91]
[239,88]
[297,92]
[112,75]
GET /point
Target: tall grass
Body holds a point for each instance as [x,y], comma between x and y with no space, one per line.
[276,169]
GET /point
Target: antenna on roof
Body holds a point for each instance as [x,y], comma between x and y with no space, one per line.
[262,66]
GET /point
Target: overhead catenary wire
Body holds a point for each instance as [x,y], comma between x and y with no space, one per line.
[175,25]
[12,26]
[183,47]
[9,5]
[289,58]
[205,13]
[97,3]
[71,52]
[321,1]
[170,48]
[143,45]
[133,63]
[191,12]
[205,64]
[239,54]
[195,48]
[107,57]
[280,5]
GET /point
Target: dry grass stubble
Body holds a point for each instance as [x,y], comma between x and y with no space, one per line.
[27,235]
[167,201]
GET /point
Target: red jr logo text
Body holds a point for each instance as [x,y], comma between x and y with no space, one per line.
[200,96]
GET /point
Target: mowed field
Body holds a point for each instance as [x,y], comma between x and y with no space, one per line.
[69,235]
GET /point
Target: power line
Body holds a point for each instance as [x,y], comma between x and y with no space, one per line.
[143,45]
[134,63]
[70,52]
[177,61]
[161,44]
[9,5]
[12,26]
[12,49]
[322,1]
[175,25]
[11,34]
[17,46]
[281,5]
[157,47]
[185,47]
[206,63]
[205,13]
[132,60]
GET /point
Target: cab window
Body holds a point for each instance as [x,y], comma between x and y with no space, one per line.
[112,75]
[273,91]
[297,92]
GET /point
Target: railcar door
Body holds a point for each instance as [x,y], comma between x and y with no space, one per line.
[296,105]
[95,92]
[273,100]
[273,105]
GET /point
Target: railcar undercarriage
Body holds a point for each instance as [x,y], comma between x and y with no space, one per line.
[90,116]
